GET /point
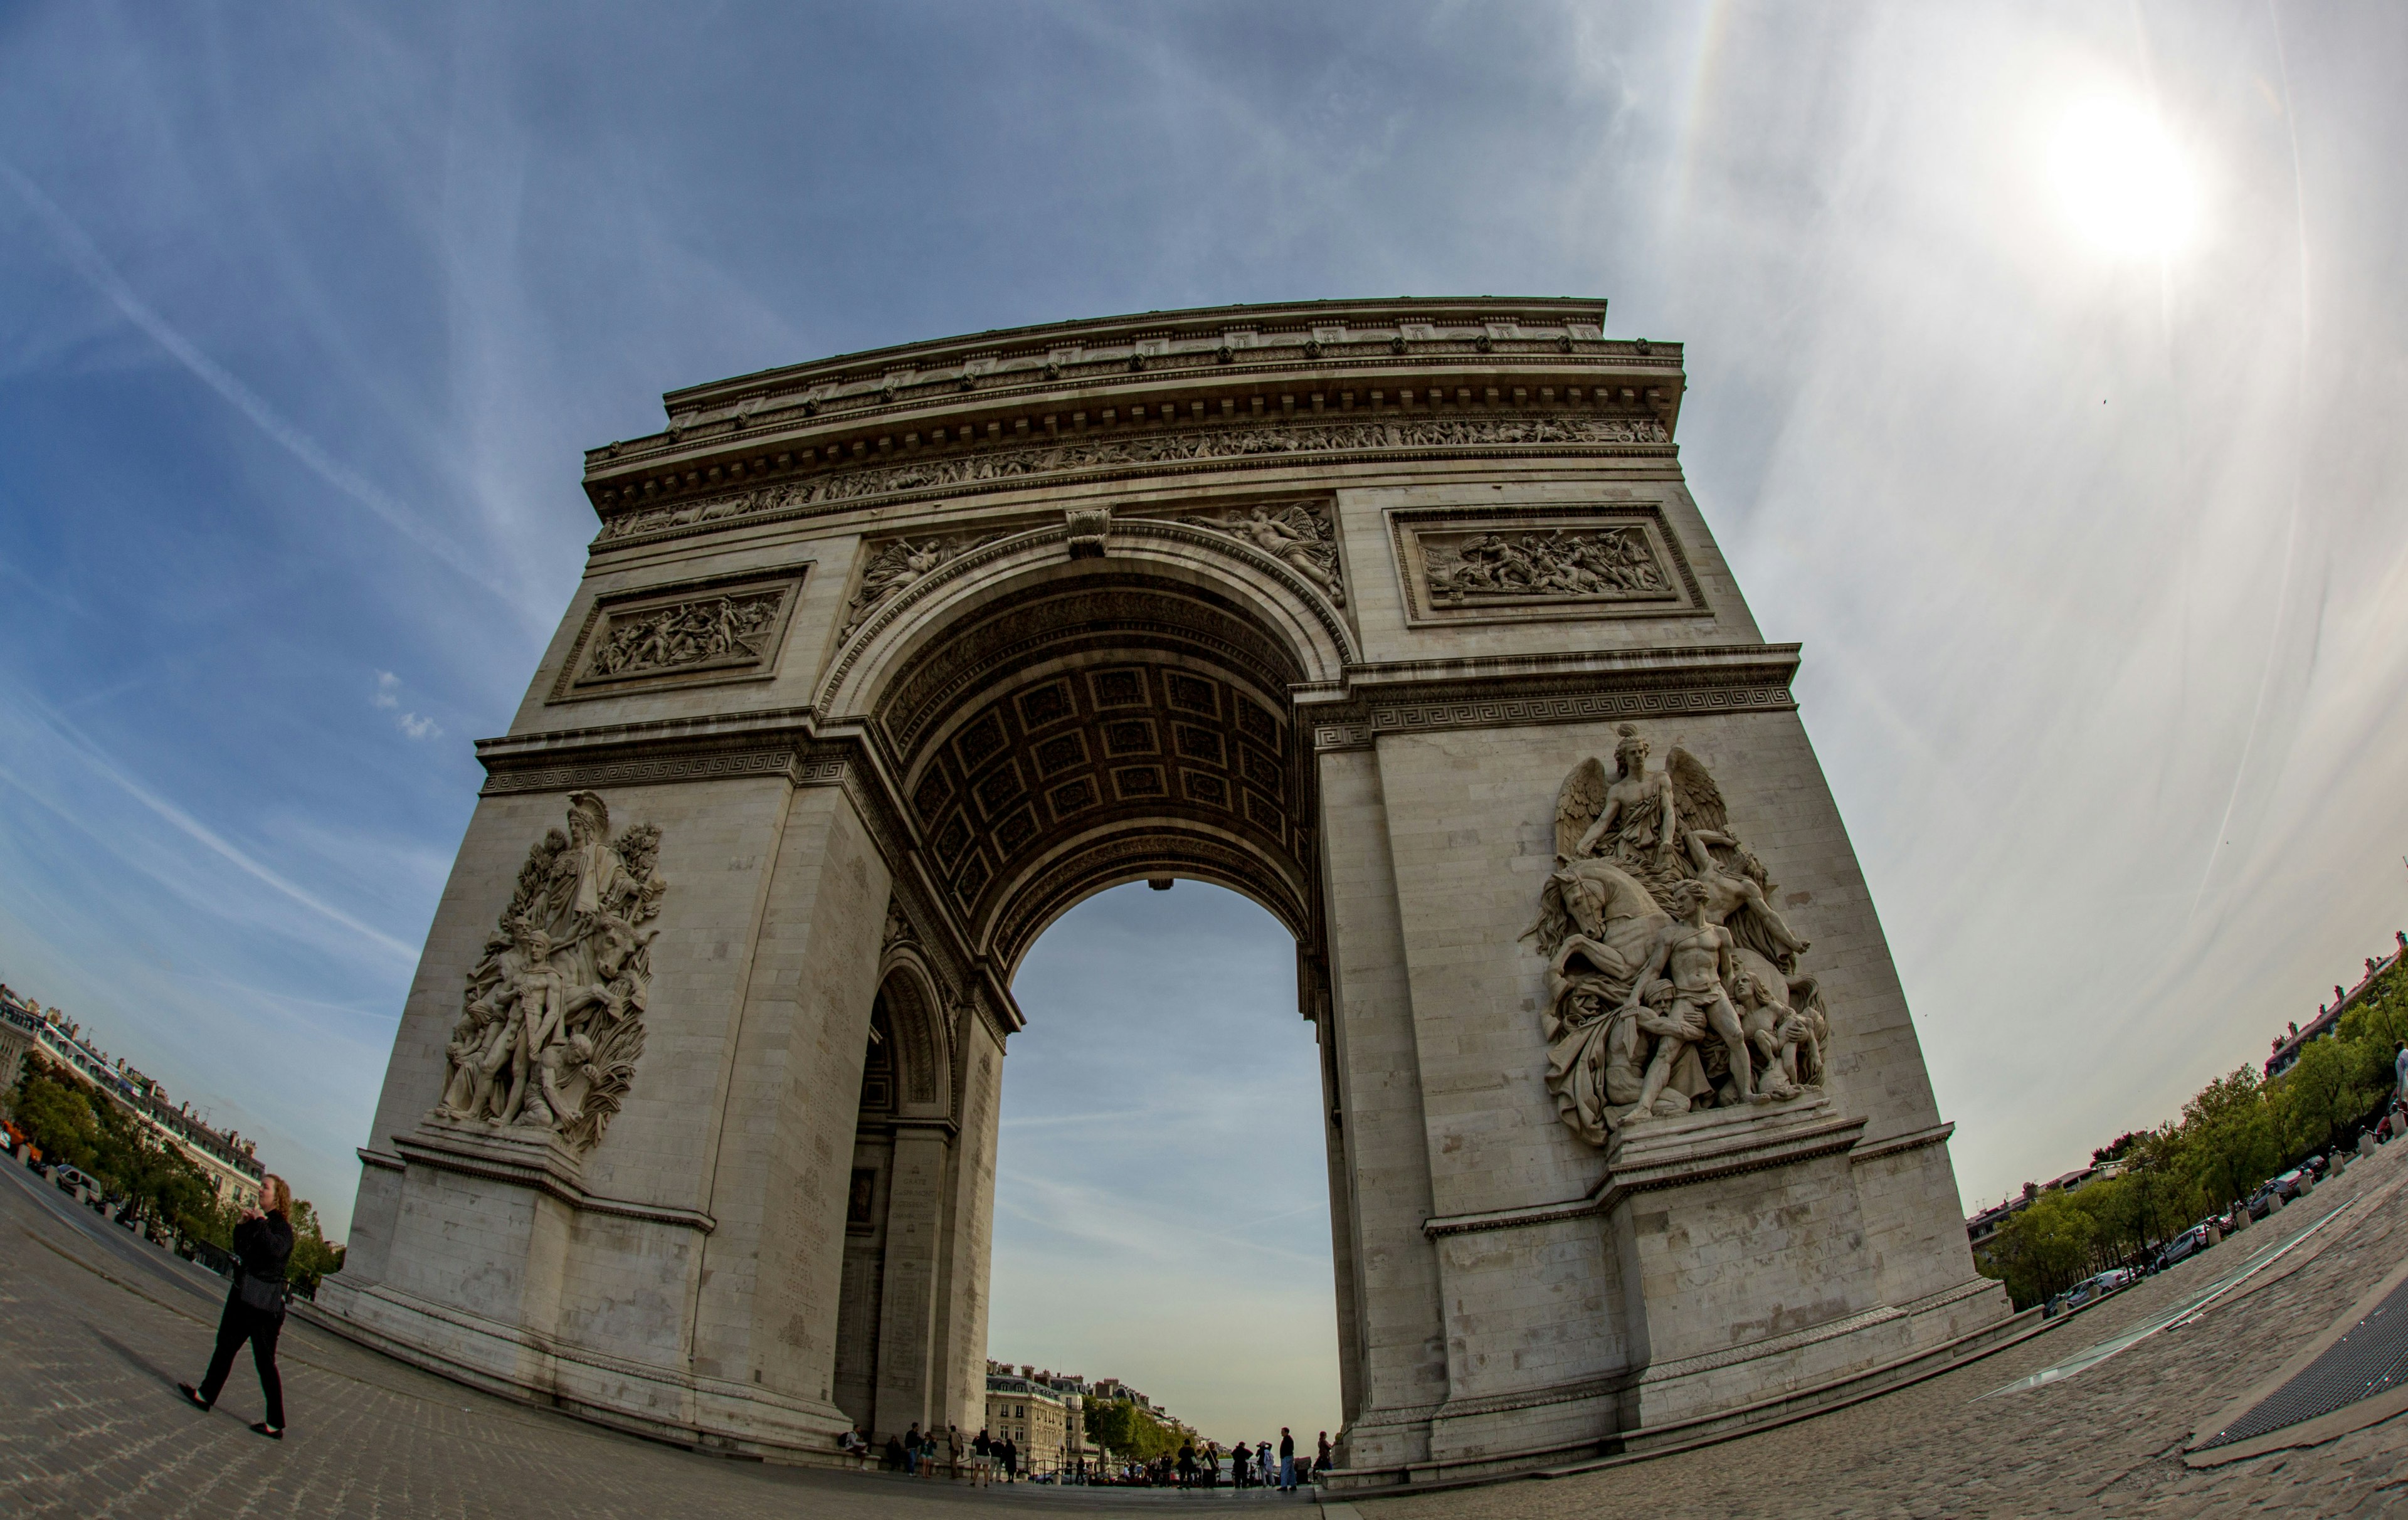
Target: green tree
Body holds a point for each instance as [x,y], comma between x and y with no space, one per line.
[312,1257]
[2315,1098]
[57,1117]
[1128,1431]
[2044,1249]
[2231,1132]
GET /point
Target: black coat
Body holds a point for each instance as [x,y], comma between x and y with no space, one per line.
[262,1246]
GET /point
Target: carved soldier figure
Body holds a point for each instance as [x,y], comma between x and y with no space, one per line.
[536,992]
[1728,892]
[1696,956]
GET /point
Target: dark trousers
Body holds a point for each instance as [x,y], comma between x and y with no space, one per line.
[241,1323]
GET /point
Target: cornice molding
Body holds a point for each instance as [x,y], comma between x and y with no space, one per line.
[655,508]
[545,1169]
[1434,695]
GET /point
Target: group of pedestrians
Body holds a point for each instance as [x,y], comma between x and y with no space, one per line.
[977,1458]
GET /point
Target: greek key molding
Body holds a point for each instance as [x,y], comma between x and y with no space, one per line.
[1214,446]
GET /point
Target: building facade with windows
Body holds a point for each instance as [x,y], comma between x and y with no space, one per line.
[1033,1417]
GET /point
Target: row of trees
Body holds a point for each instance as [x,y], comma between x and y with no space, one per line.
[2236,1132]
[158,1185]
[1120,1428]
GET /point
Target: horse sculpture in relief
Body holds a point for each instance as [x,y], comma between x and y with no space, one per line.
[1650,1014]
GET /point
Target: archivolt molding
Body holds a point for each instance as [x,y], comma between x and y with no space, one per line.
[915,1011]
[1320,641]
[1054,885]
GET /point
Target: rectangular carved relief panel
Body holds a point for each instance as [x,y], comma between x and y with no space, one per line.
[692,633]
[1541,563]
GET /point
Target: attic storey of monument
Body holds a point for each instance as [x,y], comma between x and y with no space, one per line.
[896,657]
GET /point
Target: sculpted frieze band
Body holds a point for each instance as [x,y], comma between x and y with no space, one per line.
[551,1021]
[1675,983]
[1004,466]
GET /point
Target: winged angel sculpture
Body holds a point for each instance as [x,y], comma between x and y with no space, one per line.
[552,1019]
[1675,982]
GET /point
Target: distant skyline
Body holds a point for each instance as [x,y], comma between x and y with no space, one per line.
[2046,363]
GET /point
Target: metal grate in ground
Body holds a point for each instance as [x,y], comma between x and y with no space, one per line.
[2371,1358]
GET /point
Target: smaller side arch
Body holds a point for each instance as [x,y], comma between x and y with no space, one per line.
[907,990]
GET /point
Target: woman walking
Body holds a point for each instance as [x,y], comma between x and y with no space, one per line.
[254,1310]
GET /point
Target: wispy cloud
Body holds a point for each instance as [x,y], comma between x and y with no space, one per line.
[88,261]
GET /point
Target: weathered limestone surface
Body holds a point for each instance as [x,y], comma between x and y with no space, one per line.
[1346,606]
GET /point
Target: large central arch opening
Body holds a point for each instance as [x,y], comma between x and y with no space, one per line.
[1162,1207]
[1059,732]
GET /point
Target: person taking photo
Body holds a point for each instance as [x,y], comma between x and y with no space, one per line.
[254,1308]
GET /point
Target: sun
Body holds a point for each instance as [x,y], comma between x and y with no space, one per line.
[2122,182]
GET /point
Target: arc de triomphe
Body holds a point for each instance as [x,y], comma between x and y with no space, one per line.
[1394,616]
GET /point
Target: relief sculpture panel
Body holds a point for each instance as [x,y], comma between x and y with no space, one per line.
[1538,563]
[678,635]
[551,1021]
[1674,982]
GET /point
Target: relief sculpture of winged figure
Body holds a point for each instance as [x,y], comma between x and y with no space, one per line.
[1673,980]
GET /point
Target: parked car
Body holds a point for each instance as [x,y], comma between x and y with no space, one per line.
[2188,1243]
[68,1179]
[2091,1289]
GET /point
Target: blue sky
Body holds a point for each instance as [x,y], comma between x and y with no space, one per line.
[2095,541]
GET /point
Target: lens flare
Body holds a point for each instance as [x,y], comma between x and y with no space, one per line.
[2122,182]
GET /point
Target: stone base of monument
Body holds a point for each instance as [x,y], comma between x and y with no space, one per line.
[1740,1230]
[487,1293]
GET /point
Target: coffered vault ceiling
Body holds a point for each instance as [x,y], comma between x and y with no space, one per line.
[1096,733]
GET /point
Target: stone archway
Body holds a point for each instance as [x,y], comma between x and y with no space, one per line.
[879,665]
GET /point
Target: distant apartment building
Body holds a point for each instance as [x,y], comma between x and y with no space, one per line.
[1033,1417]
[2327,1020]
[227,1159]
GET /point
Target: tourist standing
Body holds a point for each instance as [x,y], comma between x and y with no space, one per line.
[981,1459]
[1011,1459]
[1287,1460]
[1263,1463]
[1321,1458]
[255,1307]
[953,1445]
[1237,1465]
[1187,1464]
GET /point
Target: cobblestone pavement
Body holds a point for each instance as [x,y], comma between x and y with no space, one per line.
[2107,1440]
[97,1327]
